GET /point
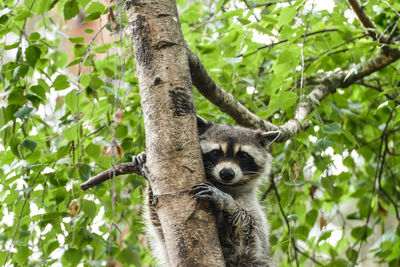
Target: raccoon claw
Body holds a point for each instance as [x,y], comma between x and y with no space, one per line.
[208,192]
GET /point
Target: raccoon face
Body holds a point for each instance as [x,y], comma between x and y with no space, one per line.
[234,155]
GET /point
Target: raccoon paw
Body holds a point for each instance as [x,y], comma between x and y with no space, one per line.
[208,192]
[140,162]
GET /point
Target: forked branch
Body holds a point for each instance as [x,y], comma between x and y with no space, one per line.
[227,103]
[328,84]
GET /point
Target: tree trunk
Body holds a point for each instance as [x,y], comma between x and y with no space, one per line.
[174,162]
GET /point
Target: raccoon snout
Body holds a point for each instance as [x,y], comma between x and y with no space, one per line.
[227,174]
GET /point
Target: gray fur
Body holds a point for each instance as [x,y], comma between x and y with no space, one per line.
[242,225]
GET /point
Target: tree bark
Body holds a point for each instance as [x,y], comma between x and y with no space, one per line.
[174,162]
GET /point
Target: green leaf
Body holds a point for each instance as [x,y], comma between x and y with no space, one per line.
[85,172]
[71,9]
[60,83]
[16,97]
[109,72]
[38,6]
[361,232]
[72,100]
[325,235]
[74,62]
[29,144]
[72,257]
[44,86]
[293,217]
[286,16]
[92,17]
[52,246]
[12,46]
[37,89]
[34,37]
[23,112]
[96,82]
[311,217]
[93,151]
[22,13]
[32,55]
[77,40]
[89,208]
[121,131]
[71,133]
[332,128]
[59,194]
[83,3]
[324,143]
[339,263]
[283,100]
[351,254]
[34,99]
[22,255]
[95,7]
[350,137]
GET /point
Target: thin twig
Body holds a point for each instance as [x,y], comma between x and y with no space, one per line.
[313,259]
[395,11]
[28,194]
[378,176]
[292,238]
[379,89]
[284,41]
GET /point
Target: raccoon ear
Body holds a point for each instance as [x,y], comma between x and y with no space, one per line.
[203,124]
[267,138]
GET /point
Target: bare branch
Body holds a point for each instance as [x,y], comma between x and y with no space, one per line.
[363,18]
[284,41]
[222,99]
[326,85]
[368,24]
[136,166]
[330,83]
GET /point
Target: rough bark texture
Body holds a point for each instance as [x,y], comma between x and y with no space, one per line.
[174,163]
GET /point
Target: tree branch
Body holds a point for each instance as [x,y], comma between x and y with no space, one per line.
[331,82]
[367,23]
[326,85]
[284,41]
[363,18]
[225,101]
[136,166]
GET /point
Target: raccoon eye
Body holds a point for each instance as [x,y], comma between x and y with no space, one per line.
[215,153]
[243,155]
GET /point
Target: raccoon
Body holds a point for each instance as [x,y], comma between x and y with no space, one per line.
[236,161]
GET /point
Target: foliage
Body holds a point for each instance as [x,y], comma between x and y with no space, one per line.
[337,186]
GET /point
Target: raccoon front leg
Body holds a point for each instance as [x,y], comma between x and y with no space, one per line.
[241,221]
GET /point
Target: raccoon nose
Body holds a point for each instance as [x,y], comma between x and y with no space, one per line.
[227,174]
